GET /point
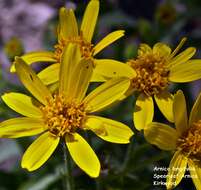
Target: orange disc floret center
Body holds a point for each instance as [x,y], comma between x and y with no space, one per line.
[151,73]
[63,117]
[86,48]
[190,142]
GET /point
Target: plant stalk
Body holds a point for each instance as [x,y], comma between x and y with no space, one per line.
[67,177]
[127,159]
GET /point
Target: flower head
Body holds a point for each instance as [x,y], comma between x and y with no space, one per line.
[155,70]
[62,114]
[68,32]
[63,117]
[184,140]
[150,75]
[166,13]
[13,48]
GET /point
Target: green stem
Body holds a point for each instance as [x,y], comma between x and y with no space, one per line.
[67,178]
[98,183]
[129,152]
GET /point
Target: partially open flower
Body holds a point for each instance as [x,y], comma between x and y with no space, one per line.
[184,140]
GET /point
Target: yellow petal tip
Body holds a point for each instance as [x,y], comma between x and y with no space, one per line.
[96,173]
[62,9]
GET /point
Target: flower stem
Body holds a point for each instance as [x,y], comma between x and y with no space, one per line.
[126,161]
[67,178]
[98,183]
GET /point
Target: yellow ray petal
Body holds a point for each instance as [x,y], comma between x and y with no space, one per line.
[177,169]
[83,155]
[129,92]
[50,74]
[21,127]
[39,151]
[69,61]
[96,77]
[109,130]
[109,68]
[195,172]
[89,20]
[195,114]
[22,104]
[181,43]
[164,101]
[30,80]
[180,112]
[80,79]
[106,94]
[38,56]
[187,72]
[106,41]
[183,57]
[144,111]
[162,49]
[161,135]
[144,49]
[67,24]
[53,88]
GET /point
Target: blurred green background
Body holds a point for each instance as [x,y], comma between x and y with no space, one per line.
[27,25]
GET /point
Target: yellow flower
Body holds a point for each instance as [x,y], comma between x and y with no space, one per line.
[185,141]
[152,72]
[68,33]
[13,47]
[61,115]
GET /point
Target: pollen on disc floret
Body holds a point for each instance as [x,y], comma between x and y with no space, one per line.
[63,117]
[190,141]
[86,48]
[151,73]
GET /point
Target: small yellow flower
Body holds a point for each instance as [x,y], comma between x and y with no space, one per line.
[13,47]
[62,114]
[152,72]
[185,141]
[68,33]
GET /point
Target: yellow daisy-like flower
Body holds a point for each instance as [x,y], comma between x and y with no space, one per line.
[68,33]
[152,72]
[62,114]
[185,141]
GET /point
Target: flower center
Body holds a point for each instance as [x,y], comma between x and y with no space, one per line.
[190,142]
[86,48]
[61,117]
[151,73]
